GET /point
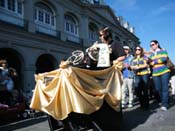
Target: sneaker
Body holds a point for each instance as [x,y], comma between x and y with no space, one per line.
[130,105]
[123,105]
[163,108]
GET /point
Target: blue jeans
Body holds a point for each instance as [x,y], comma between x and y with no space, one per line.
[161,86]
[141,89]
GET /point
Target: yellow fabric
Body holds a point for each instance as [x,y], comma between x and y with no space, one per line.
[70,89]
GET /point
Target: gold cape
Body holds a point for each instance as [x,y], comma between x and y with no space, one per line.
[73,89]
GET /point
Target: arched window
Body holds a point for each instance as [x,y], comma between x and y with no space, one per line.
[45,19]
[15,6]
[12,11]
[93,32]
[71,25]
[44,15]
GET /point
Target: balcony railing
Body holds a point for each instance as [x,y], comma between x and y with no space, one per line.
[46,30]
[74,39]
[12,18]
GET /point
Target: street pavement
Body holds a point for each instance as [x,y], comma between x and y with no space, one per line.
[154,119]
[134,119]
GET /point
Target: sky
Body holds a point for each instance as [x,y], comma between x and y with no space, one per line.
[152,19]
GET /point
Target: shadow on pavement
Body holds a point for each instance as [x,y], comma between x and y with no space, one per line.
[136,116]
[22,124]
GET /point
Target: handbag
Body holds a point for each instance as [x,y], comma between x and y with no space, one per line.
[170,64]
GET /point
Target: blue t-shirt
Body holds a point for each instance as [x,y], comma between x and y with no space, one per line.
[127,72]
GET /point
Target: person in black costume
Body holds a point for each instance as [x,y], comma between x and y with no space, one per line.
[106,117]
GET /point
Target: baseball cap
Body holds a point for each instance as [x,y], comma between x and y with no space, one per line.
[126,47]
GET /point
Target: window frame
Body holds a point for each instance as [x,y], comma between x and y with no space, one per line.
[13,7]
[42,19]
[93,32]
[70,25]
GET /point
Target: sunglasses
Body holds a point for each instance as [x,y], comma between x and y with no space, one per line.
[100,35]
[138,49]
[152,45]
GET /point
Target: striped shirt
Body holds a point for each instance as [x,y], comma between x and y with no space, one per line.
[159,59]
[140,62]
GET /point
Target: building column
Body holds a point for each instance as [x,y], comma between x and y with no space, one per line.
[28,15]
[29,79]
[84,31]
[60,22]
